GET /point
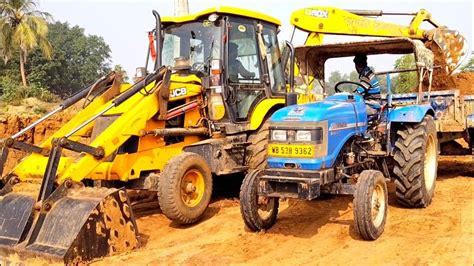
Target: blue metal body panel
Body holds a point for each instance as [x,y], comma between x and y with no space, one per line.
[410,113]
[345,118]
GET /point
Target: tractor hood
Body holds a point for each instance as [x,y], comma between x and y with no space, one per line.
[334,108]
[343,114]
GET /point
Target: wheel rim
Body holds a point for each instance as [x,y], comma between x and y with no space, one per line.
[265,207]
[192,188]
[378,205]
[430,163]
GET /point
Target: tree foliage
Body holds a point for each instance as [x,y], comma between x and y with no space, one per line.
[121,70]
[336,77]
[406,81]
[23,28]
[77,61]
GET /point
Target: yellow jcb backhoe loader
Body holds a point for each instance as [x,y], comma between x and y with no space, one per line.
[167,134]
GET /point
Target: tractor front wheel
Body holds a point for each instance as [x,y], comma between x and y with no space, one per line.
[257,212]
[185,188]
[370,204]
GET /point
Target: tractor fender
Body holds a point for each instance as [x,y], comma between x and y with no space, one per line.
[262,110]
[410,114]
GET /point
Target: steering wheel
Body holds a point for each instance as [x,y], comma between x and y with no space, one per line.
[336,87]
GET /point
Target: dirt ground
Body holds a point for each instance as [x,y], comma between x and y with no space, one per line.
[321,232]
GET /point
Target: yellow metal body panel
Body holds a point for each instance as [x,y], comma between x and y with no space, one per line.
[261,111]
[37,163]
[314,38]
[330,20]
[222,10]
[132,116]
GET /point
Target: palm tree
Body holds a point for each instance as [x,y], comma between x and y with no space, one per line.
[23,26]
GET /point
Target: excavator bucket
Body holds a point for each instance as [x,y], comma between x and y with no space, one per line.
[73,225]
[452,48]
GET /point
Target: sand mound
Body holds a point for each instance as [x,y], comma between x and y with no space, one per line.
[463,81]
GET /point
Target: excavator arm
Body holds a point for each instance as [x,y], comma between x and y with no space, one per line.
[318,21]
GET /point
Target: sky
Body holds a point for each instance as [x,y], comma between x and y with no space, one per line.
[124,24]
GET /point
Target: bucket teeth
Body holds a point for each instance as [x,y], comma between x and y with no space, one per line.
[73,225]
[453,47]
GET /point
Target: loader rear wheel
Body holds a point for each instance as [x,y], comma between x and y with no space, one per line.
[370,204]
[416,163]
[257,212]
[256,157]
[185,188]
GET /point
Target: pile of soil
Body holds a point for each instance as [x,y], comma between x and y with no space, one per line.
[11,124]
[463,81]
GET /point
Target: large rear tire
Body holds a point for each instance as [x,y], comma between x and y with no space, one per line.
[416,163]
[256,156]
[370,204]
[185,188]
[257,212]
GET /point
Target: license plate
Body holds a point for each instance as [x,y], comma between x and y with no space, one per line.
[291,150]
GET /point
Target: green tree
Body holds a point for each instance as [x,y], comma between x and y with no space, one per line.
[354,76]
[333,79]
[78,60]
[406,81]
[119,69]
[23,27]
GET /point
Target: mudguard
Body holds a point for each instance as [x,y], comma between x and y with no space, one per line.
[410,114]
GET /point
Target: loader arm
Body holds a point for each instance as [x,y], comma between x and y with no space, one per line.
[330,20]
[32,167]
[321,20]
[131,118]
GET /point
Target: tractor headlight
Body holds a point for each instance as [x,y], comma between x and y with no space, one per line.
[303,135]
[278,135]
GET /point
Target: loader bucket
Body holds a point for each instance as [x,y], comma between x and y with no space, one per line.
[75,224]
[15,213]
[453,46]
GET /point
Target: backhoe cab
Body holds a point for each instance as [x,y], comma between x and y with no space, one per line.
[201,112]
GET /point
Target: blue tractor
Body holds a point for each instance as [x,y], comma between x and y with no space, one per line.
[334,146]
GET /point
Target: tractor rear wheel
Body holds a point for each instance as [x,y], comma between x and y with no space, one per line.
[370,204]
[257,212]
[256,157]
[416,163]
[185,188]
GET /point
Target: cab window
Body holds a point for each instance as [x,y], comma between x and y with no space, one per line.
[243,63]
[273,60]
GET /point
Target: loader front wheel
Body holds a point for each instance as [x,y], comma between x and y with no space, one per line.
[258,213]
[185,188]
[416,163]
